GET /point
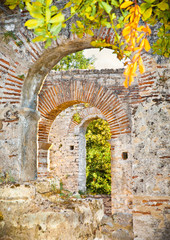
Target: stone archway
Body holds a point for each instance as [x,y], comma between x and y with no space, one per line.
[60,94]
[80,130]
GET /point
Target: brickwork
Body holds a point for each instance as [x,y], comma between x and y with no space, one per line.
[138,117]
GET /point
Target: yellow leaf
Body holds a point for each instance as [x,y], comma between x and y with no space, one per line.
[132,9]
[12,6]
[48,2]
[132,17]
[79,24]
[139,38]
[127,17]
[32,23]
[147,45]
[68,5]
[134,67]
[142,43]
[133,42]
[148,28]
[127,70]
[126,4]
[141,66]
[80,35]
[90,32]
[126,30]
[147,14]
[135,57]
[57,18]
[140,28]
[131,79]
[126,82]
[39,39]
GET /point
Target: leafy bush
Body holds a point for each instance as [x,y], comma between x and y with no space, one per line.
[98,158]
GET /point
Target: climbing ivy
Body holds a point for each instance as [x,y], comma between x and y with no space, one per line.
[128,19]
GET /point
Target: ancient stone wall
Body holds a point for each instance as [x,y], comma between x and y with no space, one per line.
[32,211]
[138,116]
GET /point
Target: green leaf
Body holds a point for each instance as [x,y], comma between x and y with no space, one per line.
[115,3]
[147,14]
[57,18]
[56,28]
[93,10]
[105,6]
[48,43]
[149,1]
[40,31]
[47,15]
[144,7]
[163,6]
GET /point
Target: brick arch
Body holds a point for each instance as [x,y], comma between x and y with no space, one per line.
[90,112]
[61,96]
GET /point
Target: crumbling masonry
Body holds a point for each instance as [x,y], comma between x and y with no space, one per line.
[32,96]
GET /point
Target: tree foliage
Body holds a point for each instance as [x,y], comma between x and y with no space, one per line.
[98,157]
[128,19]
[75,61]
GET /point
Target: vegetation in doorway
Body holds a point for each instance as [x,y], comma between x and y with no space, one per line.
[98,157]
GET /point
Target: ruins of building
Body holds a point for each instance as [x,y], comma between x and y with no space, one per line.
[32,95]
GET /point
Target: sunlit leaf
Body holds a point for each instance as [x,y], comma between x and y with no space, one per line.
[146,45]
[141,66]
[56,28]
[48,2]
[126,82]
[147,14]
[134,67]
[126,4]
[105,6]
[115,3]
[57,18]
[48,43]
[163,6]
[79,24]
[48,15]
[131,79]
[40,31]
[39,39]
[68,5]
[32,23]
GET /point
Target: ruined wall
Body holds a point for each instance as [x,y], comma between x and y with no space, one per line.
[32,211]
[64,154]
[138,116]
[151,153]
